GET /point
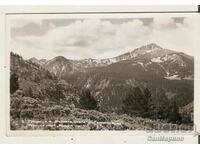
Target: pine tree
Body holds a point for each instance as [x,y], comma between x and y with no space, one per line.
[161,105]
[148,104]
[128,104]
[87,101]
[174,116]
[133,103]
[14,85]
[59,93]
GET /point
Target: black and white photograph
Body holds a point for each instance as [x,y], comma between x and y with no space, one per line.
[101,71]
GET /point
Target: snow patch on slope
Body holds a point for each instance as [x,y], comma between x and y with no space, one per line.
[157,60]
[134,64]
[173,77]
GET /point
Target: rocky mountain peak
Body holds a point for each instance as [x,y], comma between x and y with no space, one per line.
[60,58]
[148,48]
[37,61]
[33,58]
[153,45]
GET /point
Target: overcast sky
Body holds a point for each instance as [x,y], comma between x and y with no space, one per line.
[97,38]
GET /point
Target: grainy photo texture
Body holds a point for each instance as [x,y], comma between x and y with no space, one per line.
[101,73]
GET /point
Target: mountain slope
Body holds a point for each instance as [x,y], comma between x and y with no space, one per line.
[110,80]
[37,82]
[168,63]
[36,61]
[112,83]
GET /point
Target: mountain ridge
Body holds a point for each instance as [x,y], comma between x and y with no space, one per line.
[145,56]
[130,54]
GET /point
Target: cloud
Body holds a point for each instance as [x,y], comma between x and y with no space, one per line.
[163,23]
[96,38]
[29,27]
[101,37]
[175,36]
[19,23]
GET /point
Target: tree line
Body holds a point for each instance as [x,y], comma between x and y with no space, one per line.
[136,103]
[140,103]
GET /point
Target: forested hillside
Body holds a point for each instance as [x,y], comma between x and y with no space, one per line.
[134,91]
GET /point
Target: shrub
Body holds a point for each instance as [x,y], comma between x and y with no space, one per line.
[15,107]
[27,114]
[15,113]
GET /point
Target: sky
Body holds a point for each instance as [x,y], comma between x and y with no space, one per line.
[97,38]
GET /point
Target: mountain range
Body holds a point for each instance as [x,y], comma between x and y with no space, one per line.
[166,63]
[110,80]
